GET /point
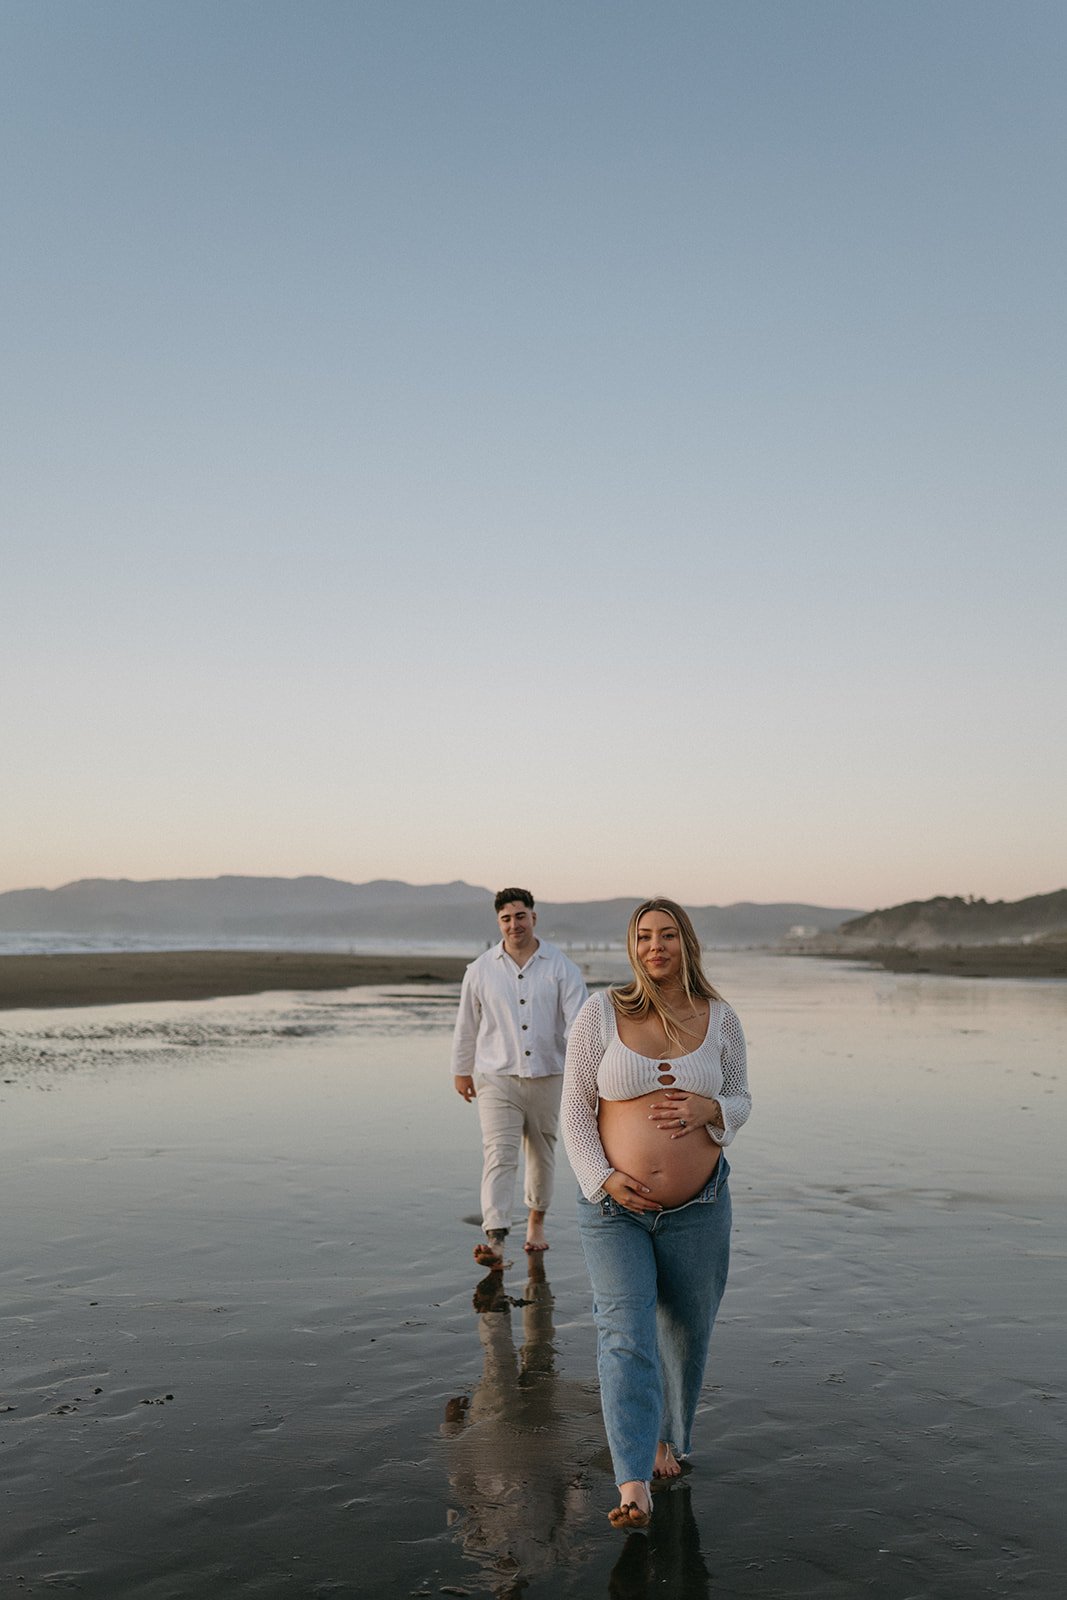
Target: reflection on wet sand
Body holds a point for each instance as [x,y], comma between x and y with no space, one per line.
[519,1452]
[665,1561]
[513,1447]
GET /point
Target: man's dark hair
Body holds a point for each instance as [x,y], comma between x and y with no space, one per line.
[506,896]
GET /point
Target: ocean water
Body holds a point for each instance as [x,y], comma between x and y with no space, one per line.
[246,1351]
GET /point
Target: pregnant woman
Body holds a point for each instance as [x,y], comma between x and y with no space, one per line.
[655,1084]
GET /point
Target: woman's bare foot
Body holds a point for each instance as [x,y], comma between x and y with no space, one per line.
[667,1463]
[535,1234]
[634,1509]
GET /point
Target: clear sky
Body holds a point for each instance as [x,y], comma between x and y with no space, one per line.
[612,447]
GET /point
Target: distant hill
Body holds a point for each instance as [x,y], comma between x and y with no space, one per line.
[315,907]
[923,924]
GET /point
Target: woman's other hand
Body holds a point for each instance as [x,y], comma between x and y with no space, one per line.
[629,1193]
[679,1114]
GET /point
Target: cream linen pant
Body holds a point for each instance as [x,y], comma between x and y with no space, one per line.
[516,1111]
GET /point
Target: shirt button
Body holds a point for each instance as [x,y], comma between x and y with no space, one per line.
[527,1052]
[524,1027]
[522,1002]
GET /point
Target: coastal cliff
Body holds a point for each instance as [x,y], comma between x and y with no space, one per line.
[952,935]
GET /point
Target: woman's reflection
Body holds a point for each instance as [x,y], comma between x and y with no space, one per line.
[665,1561]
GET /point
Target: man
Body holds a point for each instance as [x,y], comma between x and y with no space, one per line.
[515,1010]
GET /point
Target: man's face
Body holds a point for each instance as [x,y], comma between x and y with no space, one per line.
[517,922]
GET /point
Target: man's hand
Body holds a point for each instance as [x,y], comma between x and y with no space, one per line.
[465,1085]
[630,1194]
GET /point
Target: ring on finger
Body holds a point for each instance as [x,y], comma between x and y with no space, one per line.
[681,1122]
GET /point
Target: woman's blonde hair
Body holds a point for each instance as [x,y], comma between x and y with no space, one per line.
[641,995]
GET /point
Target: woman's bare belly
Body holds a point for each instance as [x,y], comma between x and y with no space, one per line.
[675,1170]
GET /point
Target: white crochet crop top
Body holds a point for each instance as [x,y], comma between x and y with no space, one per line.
[600,1067]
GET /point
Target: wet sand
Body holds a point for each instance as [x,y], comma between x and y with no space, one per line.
[128,977]
[1040,960]
[247,1351]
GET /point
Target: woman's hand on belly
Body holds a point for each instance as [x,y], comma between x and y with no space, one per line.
[630,1192]
[678,1114]
[642,1157]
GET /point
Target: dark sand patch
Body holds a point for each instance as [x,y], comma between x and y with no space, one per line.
[1039,960]
[96,978]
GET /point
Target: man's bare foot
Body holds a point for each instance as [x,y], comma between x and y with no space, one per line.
[667,1463]
[491,1253]
[535,1234]
[634,1509]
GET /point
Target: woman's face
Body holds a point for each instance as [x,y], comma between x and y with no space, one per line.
[659,946]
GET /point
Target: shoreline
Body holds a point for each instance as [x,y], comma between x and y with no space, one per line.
[125,977]
[961,961]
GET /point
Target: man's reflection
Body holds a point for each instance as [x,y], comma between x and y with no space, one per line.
[513,1445]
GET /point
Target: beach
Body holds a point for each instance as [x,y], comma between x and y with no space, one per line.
[246,1352]
[95,978]
[1041,959]
[130,977]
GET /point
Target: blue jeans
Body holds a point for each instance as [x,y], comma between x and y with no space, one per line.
[658,1278]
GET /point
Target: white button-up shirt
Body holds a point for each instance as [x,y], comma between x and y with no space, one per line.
[516,1019]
